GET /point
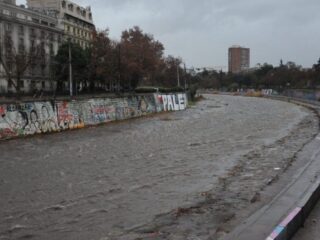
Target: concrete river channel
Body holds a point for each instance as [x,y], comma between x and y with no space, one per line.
[182,175]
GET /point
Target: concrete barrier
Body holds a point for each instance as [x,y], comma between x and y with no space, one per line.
[297,217]
[310,200]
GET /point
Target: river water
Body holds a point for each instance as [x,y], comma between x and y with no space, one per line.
[149,178]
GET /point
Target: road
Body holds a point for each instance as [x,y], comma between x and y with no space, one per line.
[182,175]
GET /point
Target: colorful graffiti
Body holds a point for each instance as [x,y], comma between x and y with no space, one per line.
[135,106]
[45,117]
[27,119]
[102,112]
[69,116]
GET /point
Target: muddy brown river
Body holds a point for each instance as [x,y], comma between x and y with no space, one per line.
[181,175]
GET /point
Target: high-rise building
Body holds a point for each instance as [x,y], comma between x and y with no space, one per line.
[76,21]
[239,59]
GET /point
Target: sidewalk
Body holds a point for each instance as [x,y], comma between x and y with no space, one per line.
[285,214]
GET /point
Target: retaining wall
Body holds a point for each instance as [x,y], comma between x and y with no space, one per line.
[28,118]
[307,94]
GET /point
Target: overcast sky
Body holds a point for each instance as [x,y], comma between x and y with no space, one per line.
[201,31]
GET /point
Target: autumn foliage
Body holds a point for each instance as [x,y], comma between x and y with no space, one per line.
[137,59]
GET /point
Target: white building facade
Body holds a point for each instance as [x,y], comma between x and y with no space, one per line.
[76,21]
[25,29]
[45,23]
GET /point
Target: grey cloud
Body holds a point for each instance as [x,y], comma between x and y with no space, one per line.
[201,31]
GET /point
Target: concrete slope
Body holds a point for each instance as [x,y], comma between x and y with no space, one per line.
[286,213]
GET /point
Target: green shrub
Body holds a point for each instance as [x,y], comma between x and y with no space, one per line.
[193,91]
[160,89]
[146,90]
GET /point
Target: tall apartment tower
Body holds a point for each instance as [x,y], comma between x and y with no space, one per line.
[76,21]
[239,59]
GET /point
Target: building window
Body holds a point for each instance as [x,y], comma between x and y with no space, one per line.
[51,49]
[6,12]
[70,7]
[43,69]
[43,84]
[21,45]
[8,27]
[42,47]
[63,4]
[51,37]
[33,33]
[43,35]
[43,54]
[90,16]
[21,30]
[21,16]
[32,45]
[22,84]
[33,84]
[35,20]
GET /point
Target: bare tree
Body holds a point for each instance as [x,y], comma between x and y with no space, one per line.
[15,61]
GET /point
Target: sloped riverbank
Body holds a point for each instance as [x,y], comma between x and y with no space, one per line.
[182,175]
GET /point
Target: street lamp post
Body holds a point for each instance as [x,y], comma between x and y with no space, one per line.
[185,76]
[178,75]
[119,66]
[70,70]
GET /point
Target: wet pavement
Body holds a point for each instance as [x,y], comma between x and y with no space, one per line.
[181,175]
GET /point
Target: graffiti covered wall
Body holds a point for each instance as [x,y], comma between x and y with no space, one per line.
[30,118]
[171,102]
[27,119]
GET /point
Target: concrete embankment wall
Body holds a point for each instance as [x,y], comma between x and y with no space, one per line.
[307,94]
[28,118]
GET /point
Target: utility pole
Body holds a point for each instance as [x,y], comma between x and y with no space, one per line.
[185,76]
[119,66]
[70,70]
[178,74]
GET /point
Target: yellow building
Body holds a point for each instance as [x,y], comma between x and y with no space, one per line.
[76,21]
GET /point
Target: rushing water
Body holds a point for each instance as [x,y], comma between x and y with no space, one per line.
[106,181]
